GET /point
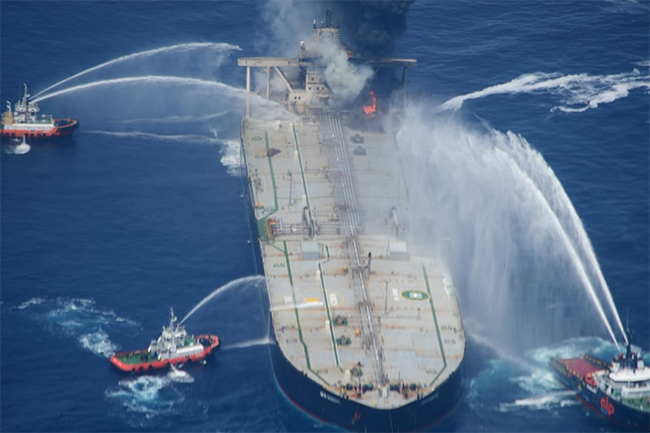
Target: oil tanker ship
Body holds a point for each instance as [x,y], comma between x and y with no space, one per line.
[367,334]
[24,122]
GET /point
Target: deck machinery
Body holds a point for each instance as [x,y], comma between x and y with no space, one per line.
[367,334]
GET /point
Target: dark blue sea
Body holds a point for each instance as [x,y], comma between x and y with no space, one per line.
[146,206]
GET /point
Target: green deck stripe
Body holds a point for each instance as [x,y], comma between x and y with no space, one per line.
[275,189]
[435,320]
[302,173]
[295,309]
[329,318]
[261,222]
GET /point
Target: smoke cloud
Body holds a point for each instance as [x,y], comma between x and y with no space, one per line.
[345,80]
[369,28]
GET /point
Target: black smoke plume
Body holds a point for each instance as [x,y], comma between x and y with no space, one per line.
[370,28]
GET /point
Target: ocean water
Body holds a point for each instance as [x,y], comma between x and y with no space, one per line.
[145,207]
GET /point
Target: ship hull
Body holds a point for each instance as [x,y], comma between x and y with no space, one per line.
[351,415]
[598,401]
[142,367]
[39,132]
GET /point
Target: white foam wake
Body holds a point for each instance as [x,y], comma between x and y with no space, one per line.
[177,375]
[231,157]
[17,149]
[542,402]
[577,92]
[80,319]
[30,302]
[144,395]
[99,344]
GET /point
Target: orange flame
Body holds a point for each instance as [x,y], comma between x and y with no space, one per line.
[371,108]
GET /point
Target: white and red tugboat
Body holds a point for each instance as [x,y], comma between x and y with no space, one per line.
[24,121]
[173,347]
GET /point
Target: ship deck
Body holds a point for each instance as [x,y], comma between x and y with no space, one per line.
[331,196]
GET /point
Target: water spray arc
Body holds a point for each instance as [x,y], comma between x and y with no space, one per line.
[497,209]
[255,279]
[148,79]
[172,48]
[577,263]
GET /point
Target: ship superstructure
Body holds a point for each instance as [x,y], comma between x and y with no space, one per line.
[368,334]
[24,121]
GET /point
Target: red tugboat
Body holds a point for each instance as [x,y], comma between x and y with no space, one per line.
[620,391]
[173,347]
[24,121]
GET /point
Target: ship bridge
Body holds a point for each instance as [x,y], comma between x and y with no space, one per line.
[310,90]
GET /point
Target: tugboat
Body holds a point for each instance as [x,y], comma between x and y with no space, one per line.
[619,391]
[174,347]
[24,121]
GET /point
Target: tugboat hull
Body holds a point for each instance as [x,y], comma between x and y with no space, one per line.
[39,131]
[128,361]
[576,375]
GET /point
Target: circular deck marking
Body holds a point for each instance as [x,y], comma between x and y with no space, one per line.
[414,295]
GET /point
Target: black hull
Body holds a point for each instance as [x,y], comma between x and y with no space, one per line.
[596,400]
[350,415]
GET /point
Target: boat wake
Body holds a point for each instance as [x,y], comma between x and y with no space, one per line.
[30,302]
[80,319]
[98,343]
[542,402]
[16,149]
[231,157]
[180,376]
[150,396]
[577,92]
[529,384]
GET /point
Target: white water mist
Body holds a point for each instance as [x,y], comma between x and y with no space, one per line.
[240,282]
[490,206]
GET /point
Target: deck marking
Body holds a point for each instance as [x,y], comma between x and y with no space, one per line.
[295,309]
[261,222]
[433,310]
[329,317]
[302,173]
[414,295]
